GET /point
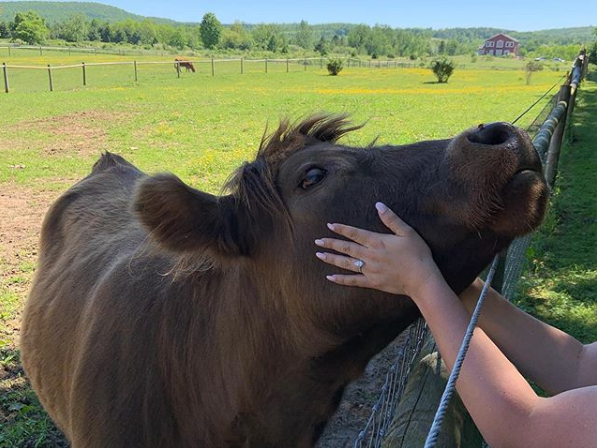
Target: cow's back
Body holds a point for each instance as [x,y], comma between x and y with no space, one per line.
[83,288]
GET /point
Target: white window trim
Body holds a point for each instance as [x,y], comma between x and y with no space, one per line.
[499,44]
[489,43]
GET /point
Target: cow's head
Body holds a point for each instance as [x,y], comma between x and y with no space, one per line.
[468,197]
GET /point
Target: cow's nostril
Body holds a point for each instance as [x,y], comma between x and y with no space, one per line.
[492,134]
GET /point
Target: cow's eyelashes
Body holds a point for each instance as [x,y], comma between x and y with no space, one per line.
[312,177]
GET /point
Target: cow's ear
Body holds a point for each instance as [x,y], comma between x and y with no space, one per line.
[183,219]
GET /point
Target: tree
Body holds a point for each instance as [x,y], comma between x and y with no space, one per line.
[322,46]
[442,47]
[304,35]
[30,27]
[442,69]
[452,47]
[268,37]
[593,54]
[93,32]
[210,30]
[593,51]
[4,30]
[532,67]
[75,28]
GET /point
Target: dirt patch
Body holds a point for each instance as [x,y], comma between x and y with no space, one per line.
[21,214]
[82,133]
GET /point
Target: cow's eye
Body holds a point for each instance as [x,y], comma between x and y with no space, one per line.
[313,176]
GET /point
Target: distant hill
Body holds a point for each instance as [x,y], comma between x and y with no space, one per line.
[58,11]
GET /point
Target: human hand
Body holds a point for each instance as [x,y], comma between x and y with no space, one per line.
[398,263]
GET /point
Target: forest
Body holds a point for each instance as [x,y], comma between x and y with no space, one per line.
[84,24]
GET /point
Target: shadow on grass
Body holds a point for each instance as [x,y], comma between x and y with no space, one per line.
[562,289]
[23,422]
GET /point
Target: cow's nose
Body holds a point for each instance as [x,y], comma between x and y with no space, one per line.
[492,134]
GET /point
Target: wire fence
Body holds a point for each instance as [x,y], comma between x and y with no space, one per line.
[545,124]
[52,77]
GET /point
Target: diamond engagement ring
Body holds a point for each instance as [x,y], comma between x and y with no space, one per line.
[359,264]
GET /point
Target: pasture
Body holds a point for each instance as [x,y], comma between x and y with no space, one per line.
[199,127]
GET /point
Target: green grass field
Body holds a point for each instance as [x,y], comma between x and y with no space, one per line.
[202,127]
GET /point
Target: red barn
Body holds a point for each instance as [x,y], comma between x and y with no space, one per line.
[500,45]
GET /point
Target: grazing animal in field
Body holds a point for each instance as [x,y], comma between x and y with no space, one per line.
[182,62]
[164,316]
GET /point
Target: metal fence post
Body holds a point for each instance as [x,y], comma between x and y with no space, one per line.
[50,77]
[84,73]
[135,65]
[5,71]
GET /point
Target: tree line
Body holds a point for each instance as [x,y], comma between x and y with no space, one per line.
[379,41]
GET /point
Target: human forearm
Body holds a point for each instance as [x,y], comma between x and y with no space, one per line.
[489,385]
[546,355]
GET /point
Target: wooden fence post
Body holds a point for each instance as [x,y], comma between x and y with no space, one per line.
[5,70]
[416,409]
[213,67]
[305,64]
[321,63]
[287,65]
[40,51]
[553,153]
[50,77]
[8,50]
[265,65]
[242,66]
[135,65]
[84,73]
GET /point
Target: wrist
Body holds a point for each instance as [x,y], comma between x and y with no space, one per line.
[428,291]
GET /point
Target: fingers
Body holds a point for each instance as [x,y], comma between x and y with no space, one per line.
[391,220]
[340,261]
[363,237]
[349,280]
[344,247]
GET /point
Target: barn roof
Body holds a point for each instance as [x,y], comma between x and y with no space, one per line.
[502,34]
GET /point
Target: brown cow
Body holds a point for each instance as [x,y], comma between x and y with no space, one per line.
[182,62]
[164,316]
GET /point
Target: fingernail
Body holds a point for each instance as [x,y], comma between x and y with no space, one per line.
[330,278]
[381,207]
[319,242]
[331,226]
[320,255]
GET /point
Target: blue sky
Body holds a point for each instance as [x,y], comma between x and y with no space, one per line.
[519,15]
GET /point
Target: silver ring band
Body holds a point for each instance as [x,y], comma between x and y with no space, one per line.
[359,264]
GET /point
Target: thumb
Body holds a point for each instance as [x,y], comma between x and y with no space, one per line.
[391,220]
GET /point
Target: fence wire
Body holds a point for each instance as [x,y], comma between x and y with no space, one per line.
[382,413]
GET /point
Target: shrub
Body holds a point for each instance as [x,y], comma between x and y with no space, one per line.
[335,66]
[442,68]
[532,67]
